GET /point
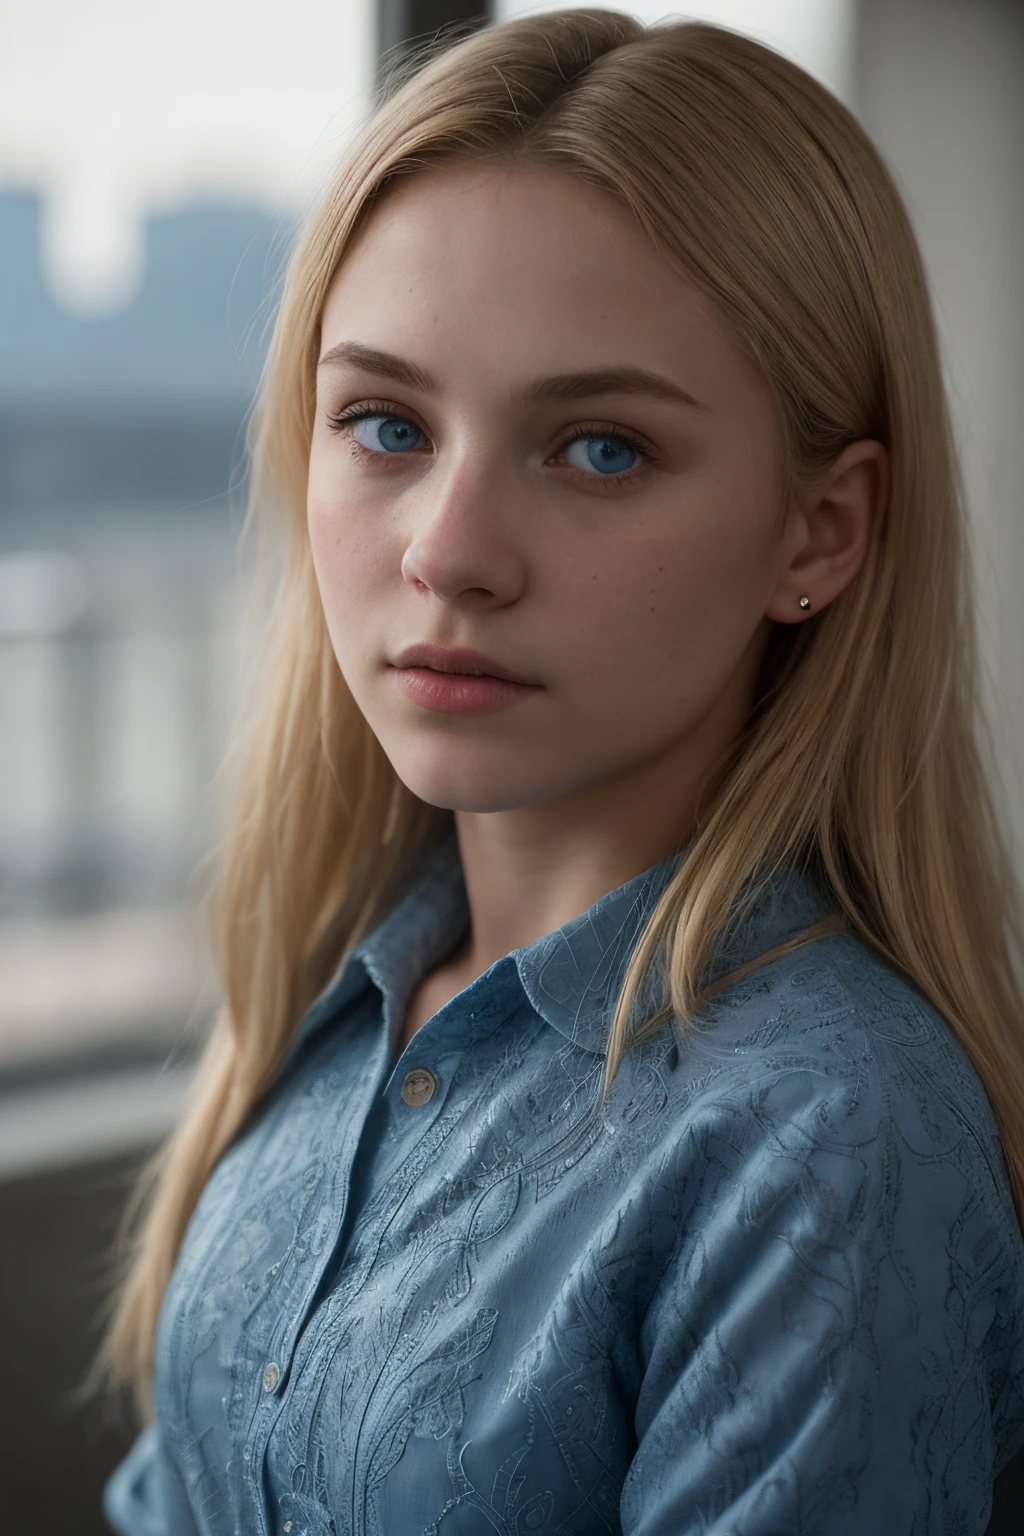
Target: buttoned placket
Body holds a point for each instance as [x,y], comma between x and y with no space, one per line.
[399,1125]
[417,1090]
[272,1386]
[429,1052]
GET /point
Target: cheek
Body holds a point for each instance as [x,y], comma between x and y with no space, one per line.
[662,623]
[349,560]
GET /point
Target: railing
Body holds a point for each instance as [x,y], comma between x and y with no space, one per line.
[118,672]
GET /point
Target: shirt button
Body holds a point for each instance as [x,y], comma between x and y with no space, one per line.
[418,1087]
[271,1376]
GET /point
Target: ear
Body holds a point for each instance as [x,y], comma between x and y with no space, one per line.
[828,530]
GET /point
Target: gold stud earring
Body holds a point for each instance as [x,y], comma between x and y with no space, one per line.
[805,602]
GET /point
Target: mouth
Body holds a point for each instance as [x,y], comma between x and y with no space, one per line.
[457,660]
[458,681]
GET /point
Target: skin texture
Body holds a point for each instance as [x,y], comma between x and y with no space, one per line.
[639,602]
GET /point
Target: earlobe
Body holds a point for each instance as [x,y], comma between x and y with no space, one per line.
[837,518]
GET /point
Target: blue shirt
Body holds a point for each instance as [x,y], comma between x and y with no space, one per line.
[774,1285]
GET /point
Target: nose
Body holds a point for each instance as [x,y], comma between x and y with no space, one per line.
[461,545]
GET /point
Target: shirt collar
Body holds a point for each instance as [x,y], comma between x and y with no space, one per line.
[572,976]
[423,926]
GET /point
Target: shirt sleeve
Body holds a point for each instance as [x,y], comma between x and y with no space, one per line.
[818,1355]
[145,1496]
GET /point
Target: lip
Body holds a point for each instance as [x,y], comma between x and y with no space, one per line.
[458,681]
[441,658]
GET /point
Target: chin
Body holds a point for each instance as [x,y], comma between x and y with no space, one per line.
[472,784]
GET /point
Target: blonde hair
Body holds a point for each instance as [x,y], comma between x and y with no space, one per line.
[862,755]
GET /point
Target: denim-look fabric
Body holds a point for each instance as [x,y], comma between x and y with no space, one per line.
[774,1286]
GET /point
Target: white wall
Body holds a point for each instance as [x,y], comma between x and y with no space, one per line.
[940,86]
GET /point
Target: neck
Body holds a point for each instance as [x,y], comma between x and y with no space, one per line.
[530,870]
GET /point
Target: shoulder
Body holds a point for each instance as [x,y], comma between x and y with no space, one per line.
[836,1039]
[823,1128]
[835,1254]
[826,1087]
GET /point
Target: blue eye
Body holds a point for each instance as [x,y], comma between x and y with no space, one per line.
[386,434]
[605,454]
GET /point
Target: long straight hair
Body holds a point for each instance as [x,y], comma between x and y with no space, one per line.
[864,756]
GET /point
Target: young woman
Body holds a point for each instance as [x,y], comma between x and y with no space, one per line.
[616,1116]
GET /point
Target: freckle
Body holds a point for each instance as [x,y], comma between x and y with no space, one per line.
[652,610]
[660,568]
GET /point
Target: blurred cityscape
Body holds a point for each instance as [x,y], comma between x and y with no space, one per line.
[121,596]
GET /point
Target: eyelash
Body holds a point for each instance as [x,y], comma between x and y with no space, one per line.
[369,408]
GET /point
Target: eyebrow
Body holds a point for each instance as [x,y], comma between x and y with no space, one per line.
[562,386]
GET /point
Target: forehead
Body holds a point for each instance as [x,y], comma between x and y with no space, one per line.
[508,211]
[506,240]
[485,273]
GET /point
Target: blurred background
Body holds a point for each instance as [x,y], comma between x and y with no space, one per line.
[154,164]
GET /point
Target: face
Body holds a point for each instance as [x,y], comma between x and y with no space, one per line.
[535,443]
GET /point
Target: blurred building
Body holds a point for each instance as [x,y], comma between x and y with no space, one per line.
[121,495]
